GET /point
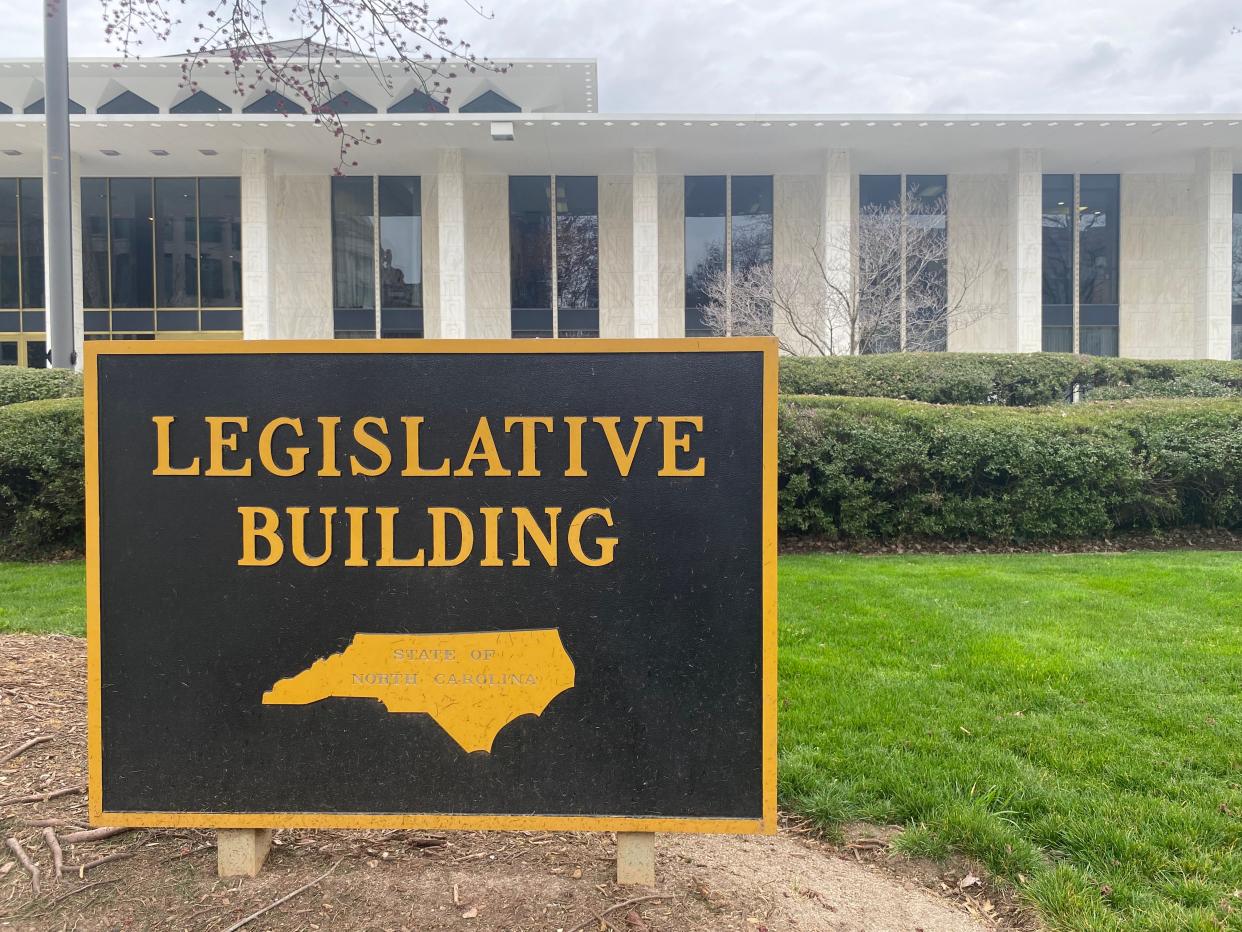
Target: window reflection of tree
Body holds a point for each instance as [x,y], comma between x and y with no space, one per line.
[577,261]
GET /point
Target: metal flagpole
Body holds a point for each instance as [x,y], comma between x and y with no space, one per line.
[58,187]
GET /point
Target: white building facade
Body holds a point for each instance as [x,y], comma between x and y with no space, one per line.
[520,211]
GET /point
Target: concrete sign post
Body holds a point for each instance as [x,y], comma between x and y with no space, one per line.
[420,584]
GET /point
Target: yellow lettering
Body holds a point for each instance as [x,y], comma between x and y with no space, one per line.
[297,542]
[527,526]
[387,555]
[328,426]
[412,466]
[163,465]
[624,458]
[372,443]
[251,531]
[607,545]
[673,443]
[439,545]
[575,446]
[491,537]
[297,455]
[356,515]
[528,425]
[219,441]
[482,447]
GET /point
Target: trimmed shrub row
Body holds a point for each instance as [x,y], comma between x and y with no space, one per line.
[18,385]
[850,469]
[42,487]
[1014,379]
[880,469]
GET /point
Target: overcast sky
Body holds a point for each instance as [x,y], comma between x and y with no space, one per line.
[823,56]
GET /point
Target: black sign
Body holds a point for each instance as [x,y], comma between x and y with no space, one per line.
[457,584]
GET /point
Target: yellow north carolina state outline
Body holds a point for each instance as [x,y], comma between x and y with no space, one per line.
[472,685]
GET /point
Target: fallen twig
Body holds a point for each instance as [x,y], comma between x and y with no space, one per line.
[33,742]
[116,856]
[55,823]
[288,896]
[94,834]
[599,917]
[58,856]
[42,797]
[24,860]
[85,886]
[190,852]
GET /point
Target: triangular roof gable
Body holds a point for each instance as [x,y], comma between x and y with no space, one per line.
[490,102]
[418,102]
[201,102]
[128,102]
[274,102]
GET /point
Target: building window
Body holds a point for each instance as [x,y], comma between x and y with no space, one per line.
[728,225]
[1236,330]
[161,256]
[903,262]
[22,340]
[554,268]
[1081,262]
[384,258]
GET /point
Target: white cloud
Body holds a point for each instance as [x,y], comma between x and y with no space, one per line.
[851,56]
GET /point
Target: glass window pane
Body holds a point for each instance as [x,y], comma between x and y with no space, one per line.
[34,321]
[95,242]
[879,263]
[577,256]
[401,243]
[176,320]
[878,191]
[704,244]
[10,321]
[176,243]
[220,320]
[1098,341]
[220,247]
[8,352]
[32,242]
[353,254]
[1058,339]
[133,259]
[752,222]
[10,277]
[36,354]
[927,261]
[1237,267]
[530,255]
[1058,243]
[1098,240]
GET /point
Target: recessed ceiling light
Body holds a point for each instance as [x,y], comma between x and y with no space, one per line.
[111,153]
[208,152]
[160,152]
[12,151]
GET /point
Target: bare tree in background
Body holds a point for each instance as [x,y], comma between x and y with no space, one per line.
[887,287]
[399,40]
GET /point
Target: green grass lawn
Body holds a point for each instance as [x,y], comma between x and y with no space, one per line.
[1072,722]
[43,598]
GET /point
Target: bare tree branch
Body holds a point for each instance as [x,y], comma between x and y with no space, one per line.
[398,40]
[886,286]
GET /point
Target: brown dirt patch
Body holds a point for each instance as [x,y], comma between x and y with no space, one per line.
[451,881]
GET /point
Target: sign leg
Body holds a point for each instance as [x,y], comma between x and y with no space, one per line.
[636,858]
[240,851]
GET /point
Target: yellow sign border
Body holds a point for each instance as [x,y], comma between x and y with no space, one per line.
[767,346]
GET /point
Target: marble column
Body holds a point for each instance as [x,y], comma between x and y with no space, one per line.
[451,222]
[256,217]
[646,241]
[1213,192]
[837,243]
[1026,252]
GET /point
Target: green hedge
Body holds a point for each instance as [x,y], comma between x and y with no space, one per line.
[1018,379]
[42,494]
[878,469]
[862,469]
[18,385]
